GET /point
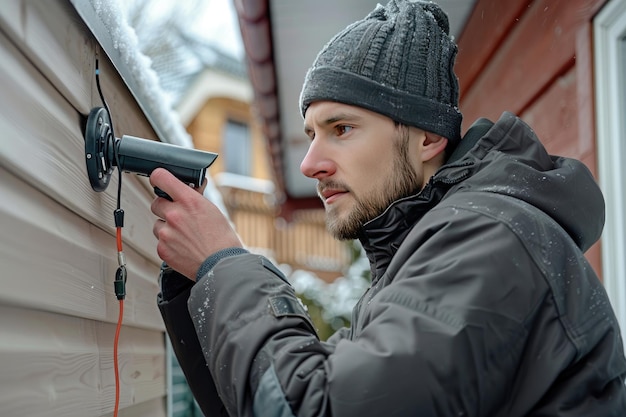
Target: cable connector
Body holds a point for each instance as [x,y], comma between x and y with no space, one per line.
[118,215]
[120,276]
[120,283]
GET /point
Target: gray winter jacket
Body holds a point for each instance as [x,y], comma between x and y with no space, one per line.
[481,304]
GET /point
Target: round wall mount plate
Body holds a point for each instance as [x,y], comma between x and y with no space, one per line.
[98,140]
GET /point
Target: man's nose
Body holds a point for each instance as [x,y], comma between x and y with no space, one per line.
[317,162]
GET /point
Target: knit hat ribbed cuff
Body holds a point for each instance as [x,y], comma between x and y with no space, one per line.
[334,84]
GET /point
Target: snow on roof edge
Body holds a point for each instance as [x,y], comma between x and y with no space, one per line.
[108,24]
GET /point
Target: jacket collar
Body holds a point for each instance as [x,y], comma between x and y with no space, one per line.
[382,236]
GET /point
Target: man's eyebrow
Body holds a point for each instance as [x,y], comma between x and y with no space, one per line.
[339,117]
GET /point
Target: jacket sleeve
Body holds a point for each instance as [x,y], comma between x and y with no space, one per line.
[172,302]
[247,317]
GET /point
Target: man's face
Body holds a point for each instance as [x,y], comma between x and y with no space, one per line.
[363,162]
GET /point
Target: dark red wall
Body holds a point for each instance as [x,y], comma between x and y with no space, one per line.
[534,58]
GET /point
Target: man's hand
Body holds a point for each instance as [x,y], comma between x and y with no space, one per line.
[189,228]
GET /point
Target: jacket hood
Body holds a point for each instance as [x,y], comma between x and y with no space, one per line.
[504,158]
[509,159]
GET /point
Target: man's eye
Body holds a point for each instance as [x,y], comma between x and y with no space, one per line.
[343,129]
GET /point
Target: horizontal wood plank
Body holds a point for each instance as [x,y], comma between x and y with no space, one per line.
[151,408]
[56,365]
[55,40]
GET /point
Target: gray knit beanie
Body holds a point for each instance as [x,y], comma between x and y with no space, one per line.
[398,61]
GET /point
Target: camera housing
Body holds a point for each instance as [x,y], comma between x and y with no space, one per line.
[137,155]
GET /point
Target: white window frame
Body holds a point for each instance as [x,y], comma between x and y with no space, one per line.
[610,88]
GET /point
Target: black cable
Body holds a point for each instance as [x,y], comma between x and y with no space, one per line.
[115,146]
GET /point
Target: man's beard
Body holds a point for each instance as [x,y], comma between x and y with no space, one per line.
[402,182]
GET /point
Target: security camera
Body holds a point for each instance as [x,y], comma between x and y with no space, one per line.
[137,155]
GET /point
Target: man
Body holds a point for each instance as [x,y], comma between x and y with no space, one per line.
[481,301]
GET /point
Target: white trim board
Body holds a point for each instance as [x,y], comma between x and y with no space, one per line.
[610,87]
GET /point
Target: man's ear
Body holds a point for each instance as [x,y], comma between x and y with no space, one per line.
[432,146]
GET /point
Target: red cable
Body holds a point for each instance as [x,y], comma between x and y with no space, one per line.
[115,360]
[119,239]
[120,289]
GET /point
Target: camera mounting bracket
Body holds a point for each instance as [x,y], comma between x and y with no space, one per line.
[99,144]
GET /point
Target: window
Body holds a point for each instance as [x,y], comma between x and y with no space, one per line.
[610,83]
[237,148]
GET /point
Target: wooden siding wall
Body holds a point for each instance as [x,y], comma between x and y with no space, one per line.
[57,252]
[534,58]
